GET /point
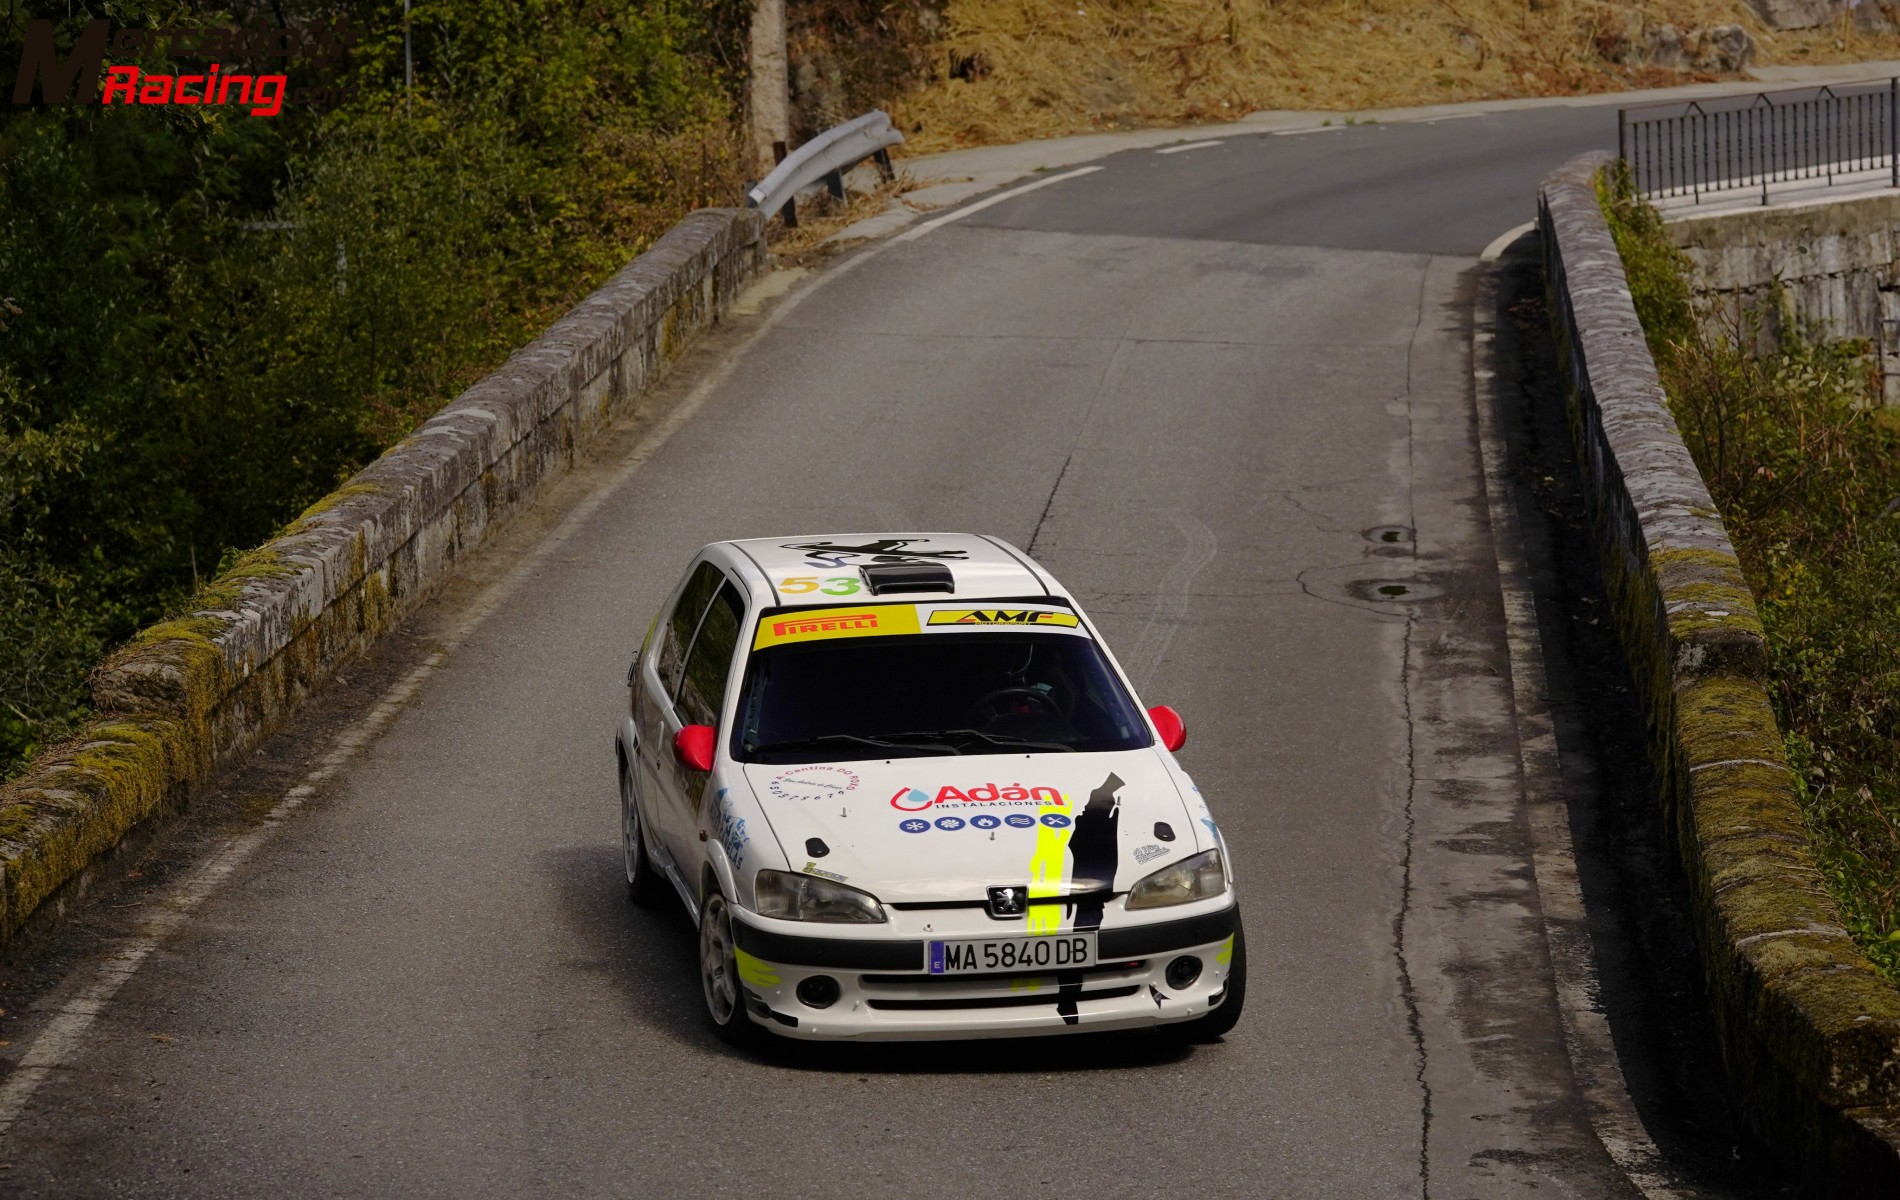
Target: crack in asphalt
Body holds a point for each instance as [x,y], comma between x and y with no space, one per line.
[1111,371]
[1048,504]
[1328,522]
[1407,993]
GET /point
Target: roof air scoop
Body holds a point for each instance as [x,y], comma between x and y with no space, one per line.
[888,579]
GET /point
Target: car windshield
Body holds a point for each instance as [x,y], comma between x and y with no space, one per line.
[978,693]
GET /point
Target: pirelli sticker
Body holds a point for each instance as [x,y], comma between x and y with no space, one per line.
[1003,616]
[814,624]
[885,620]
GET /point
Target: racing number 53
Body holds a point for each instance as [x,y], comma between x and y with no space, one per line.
[836,585]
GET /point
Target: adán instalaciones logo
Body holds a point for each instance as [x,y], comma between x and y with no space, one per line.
[261,94]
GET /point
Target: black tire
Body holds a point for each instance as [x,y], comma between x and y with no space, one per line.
[644,887]
[719,981]
[1216,1024]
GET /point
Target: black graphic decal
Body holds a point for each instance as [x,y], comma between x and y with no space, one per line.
[1092,848]
[882,550]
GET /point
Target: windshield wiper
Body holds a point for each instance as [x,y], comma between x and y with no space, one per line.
[835,739]
[994,739]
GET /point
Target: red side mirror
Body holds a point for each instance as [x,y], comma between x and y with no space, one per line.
[1169,725]
[693,746]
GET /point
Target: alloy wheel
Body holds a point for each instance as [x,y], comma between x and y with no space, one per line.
[718,964]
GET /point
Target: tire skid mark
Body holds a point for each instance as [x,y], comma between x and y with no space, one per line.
[1199,546]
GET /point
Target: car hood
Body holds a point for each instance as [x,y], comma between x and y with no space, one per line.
[934,829]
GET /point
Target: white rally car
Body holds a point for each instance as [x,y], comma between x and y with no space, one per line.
[906,793]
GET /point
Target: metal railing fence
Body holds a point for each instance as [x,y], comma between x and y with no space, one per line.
[824,160]
[1814,134]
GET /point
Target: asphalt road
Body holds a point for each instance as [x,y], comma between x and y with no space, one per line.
[1203,388]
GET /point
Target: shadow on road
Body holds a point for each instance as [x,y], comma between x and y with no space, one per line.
[653,957]
[1649,969]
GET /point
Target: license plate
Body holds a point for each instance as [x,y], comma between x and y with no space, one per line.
[1049,952]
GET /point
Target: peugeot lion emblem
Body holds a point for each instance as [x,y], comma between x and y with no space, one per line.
[1008,901]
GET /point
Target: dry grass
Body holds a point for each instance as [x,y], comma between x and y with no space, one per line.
[821,216]
[1013,69]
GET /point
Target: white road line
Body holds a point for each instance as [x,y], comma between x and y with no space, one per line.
[913,234]
[62,1037]
[1188,146]
[1498,244]
[1309,129]
[1587,1039]
[64,1033]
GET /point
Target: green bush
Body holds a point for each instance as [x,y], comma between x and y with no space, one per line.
[48,638]
[1804,465]
[210,319]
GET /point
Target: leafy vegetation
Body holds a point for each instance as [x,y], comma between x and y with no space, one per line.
[208,320]
[1804,465]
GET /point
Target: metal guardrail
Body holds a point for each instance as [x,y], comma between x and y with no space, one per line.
[1696,148]
[825,159]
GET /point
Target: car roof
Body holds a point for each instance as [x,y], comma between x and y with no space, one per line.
[981,567]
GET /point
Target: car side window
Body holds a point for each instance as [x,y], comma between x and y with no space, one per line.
[710,662]
[683,621]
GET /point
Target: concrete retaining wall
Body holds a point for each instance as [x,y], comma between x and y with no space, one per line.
[190,695]
[1832,263]
[1810,1031]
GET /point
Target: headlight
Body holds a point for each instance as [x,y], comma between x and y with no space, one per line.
[792,897]
[1197,878]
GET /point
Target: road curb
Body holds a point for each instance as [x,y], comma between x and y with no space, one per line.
[1810,1032]
[1588,1041]
[191,695]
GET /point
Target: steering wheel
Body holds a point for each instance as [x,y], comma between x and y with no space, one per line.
[987,708]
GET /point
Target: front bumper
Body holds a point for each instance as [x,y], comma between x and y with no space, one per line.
[886,993]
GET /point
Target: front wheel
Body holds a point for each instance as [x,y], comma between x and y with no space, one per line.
[1217,1023]
[719,975]
[643,882]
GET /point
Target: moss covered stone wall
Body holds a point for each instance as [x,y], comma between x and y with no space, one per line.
[1810,1031]
[189,695]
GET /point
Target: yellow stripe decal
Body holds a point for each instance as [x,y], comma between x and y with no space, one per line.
[1225,954]
[1048,870]
[755,971]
